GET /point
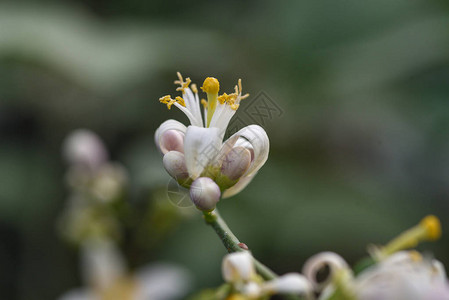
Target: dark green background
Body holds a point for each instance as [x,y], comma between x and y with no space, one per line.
[359,153]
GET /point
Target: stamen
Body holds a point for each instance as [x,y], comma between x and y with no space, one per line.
[415,256]
[204,103]
[194,88]
[167,100]
[429,229]
[222,99]
[180,101]
[183,84]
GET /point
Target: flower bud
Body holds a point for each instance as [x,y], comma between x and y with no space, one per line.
[291,283]
[84,148]
[172,140]
[175,164]
[238,266]
[236,163]
[205,193]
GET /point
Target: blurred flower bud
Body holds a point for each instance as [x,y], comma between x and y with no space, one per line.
[205,193]
[291,283]
[83,147]
[238,266]
[175,164]
[172,140]
[236,163]
[102,263]
[109,182]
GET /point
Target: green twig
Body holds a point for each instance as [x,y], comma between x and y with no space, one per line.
[231,242]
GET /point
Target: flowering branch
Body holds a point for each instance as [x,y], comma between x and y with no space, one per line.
[232,243]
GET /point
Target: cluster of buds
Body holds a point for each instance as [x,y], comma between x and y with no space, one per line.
[95,185]
[196,156]
[238,271]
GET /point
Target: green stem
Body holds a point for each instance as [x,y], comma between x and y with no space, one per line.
[231,242]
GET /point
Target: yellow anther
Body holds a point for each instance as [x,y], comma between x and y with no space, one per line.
[236,297]
[415,256]
[223,98]
[180,101]
[194,88]
[183,84]
[167,100]
[234,106]
[211,85]
[433,227]
[204,103]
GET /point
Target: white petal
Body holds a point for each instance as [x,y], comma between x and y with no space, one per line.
[162,281]
[225,148]
[252,290]
[167,125]
[102,263]
[79,294]
[201,147]
[258,139]
[320,260]
[292,283]
[236,188]
[238,266]
[192,103]
[438,270]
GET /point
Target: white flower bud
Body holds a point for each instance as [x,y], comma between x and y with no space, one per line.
[236,163]
[238,266]
[84,148]
[172,140]
[205,193]
[291,283]
[175,164]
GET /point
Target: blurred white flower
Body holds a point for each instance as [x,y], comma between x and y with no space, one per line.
[238,269]
[106,277]
[200,150]
[84,148]
[397,275]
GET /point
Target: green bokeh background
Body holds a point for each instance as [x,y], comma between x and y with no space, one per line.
[359,151]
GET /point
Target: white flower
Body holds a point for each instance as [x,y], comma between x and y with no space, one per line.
[238,269]
[106,277]
[201,143]
[404,275]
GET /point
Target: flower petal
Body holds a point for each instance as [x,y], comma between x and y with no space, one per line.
[201,146]
[258,139]
[102,263]
[162,281]
[236,188]
[238,266]
[167,125]
[320,260]
[291,283]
